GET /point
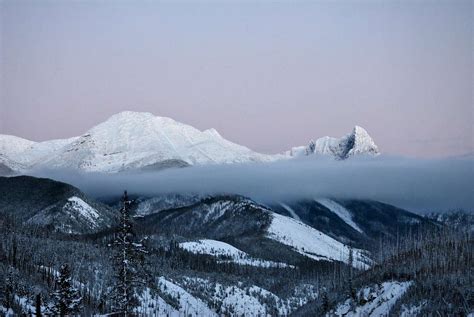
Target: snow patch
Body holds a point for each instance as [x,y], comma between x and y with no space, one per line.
[340,211]
[221,249]
[84,210]
[189,305]
[153,305]
[291,211]
[240,300]
[313,243]
[379,300]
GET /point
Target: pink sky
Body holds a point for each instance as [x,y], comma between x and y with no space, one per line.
[266,75]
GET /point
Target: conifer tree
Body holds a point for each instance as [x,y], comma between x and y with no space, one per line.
[67,300]
[352,291]
[127,261]
[38,305]
[325,305]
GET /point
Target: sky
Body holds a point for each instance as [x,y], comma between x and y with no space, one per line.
[268,75]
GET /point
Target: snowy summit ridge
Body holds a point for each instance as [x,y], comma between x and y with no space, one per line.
[355,143]
[142,141]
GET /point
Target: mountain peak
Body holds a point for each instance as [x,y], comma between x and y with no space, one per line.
[140,140]
[360,142]
[354,143]
[359,130]
[130,116]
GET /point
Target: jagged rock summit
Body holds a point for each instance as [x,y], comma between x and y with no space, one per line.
[354,143]
[142,141]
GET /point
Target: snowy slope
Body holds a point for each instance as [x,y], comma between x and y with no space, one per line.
[13,145]
[83,210]
[339,210]
[221,249]
[250,300]
[153,305]
[21,154]
[313,243]
[189,305]
[379,300]
[354,143]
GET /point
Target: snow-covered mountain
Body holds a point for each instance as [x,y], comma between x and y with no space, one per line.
[356,142]
[138,140]
[128,140]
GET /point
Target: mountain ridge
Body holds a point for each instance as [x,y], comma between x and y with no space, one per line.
[140,140]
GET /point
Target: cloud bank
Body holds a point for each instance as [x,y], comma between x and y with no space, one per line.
[420,185]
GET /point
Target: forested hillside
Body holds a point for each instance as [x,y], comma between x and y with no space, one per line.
[224,254]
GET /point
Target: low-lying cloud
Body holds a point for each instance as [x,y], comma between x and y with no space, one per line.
[421,185]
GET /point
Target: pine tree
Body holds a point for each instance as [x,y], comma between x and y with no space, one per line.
[38,305]
[352,291]
[127,259]
[325,305]
[66,298]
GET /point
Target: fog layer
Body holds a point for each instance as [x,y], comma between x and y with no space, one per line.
[421,185]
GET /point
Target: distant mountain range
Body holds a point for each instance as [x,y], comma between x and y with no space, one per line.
[142,141]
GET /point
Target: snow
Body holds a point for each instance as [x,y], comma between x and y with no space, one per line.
[26,304]
[355,143]
[242,304]
[363,143]
[13,145]
[135,140]
[222,249]
[189,305]
[380,300]
[6,312]
[412,311]
[153,305]
[20,154]
[84,211]
[340,211]
[313,243]
[251,300]
[291,211]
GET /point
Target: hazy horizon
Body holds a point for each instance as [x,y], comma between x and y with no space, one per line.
[266,75]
